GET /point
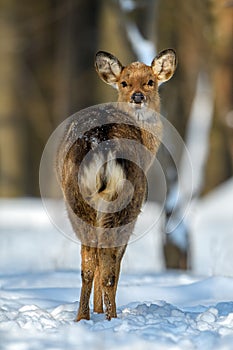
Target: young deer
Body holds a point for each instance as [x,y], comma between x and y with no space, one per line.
[104,234]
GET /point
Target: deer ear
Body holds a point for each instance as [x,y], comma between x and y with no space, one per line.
[108,67]
[164,65]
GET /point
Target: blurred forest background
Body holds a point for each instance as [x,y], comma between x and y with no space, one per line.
[47,50]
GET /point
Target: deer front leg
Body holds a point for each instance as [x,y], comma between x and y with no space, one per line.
[88,255]
[109,262]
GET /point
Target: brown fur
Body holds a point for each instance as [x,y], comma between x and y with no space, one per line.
[104,179]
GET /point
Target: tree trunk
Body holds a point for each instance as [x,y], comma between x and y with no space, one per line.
[12,147]
[183,25]
[219,163]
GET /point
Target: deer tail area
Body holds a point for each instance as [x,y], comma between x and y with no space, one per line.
[102,180]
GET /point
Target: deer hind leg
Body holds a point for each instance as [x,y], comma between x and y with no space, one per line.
[98,295]
[88,270]
[121,252]
[109,262]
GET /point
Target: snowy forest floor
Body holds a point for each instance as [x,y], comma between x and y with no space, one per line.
[157,309]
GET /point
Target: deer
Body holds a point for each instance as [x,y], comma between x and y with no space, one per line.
[104,234]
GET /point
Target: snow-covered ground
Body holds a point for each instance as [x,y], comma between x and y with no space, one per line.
[155,311]
[40,285]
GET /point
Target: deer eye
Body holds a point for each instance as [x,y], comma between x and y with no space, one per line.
[124,84]
[150,82]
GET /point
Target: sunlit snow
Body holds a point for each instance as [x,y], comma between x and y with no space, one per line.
[40,285]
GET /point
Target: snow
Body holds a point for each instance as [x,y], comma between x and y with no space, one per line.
[143,48]
[197,136]
[159,311]
[212,227]
[40,285]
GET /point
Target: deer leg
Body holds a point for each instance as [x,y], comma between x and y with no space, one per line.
[110,260]
[121,252]
[88,270]
[98,294]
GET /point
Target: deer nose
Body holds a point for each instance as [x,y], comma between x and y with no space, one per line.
[137,97]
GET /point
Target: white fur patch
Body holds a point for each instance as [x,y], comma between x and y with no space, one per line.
[102,171]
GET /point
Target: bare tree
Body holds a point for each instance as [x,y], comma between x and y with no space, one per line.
[219,166]
[47,51]
[12,145]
